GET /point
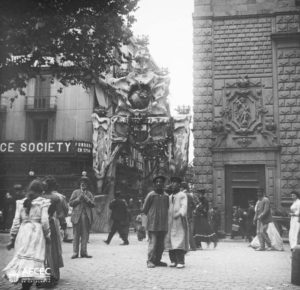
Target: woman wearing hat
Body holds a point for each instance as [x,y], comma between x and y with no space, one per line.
[202,229]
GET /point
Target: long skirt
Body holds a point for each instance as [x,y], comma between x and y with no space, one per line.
[53,250]
[276,240]
[29,257]
[294,231]
[203,232]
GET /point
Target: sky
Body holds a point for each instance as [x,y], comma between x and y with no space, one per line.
[168,24]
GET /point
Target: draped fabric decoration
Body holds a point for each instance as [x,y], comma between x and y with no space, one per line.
[103,155]
[181,133]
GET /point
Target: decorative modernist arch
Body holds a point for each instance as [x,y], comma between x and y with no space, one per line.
[141,119]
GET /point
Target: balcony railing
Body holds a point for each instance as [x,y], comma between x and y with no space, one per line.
[40,104]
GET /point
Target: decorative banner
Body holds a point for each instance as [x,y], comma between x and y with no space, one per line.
[179,162]
[102,149]
[120,128]
[57,147]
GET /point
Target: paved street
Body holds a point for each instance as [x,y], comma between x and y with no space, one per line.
[232,265]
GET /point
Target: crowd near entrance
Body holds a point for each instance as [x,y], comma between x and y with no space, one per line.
[241,183]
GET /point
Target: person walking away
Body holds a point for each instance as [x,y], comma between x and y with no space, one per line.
[250,227]
[190,208]
[56,214]
[28,235]
[177,239]
[120,219]
[155,207]
[262,219]
[82,201]
[203,232]
[295,220]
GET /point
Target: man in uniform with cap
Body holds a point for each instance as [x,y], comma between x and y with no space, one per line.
[82,201]
[156,206]
[177,240]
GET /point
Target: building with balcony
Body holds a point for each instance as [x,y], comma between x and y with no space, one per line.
[48,131]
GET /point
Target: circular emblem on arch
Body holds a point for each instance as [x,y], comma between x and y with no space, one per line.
[139,96]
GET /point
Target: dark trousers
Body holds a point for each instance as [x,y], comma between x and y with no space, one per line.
[177,256]
[263,235]
[81,235]
[121,229]
[191,235]
[156,246]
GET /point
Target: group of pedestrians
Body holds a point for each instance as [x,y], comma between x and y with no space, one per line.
[261,230]
[35,233]
[176,221]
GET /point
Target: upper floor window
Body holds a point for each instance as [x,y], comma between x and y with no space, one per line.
[43,86]
[40,129]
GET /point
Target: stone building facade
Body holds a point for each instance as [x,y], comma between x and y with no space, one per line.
[246,100]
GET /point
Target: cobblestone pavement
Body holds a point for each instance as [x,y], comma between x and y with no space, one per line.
[232,265]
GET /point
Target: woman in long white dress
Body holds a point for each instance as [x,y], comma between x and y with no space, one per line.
[295,222]
[29,232]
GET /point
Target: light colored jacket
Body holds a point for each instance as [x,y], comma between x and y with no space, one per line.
[80,205]
[177,236]
[263,211]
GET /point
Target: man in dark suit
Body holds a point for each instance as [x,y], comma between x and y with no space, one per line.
[82,201]
[120,219]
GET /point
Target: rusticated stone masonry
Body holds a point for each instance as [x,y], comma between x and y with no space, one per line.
[259,39]
[203,106]
[288,65]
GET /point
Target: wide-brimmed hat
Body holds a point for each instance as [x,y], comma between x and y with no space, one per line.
[176,179]
[159,177]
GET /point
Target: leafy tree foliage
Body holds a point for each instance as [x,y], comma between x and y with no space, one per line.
[75,38]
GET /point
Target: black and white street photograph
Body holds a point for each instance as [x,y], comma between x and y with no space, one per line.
[150,144]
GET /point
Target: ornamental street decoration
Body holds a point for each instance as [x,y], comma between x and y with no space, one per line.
[243,123]
[141,119]
[144,89]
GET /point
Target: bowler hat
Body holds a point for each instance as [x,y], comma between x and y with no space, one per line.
[176,179]
[159,177]
[84,179]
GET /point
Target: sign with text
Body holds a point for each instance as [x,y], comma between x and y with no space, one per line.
[46,147]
